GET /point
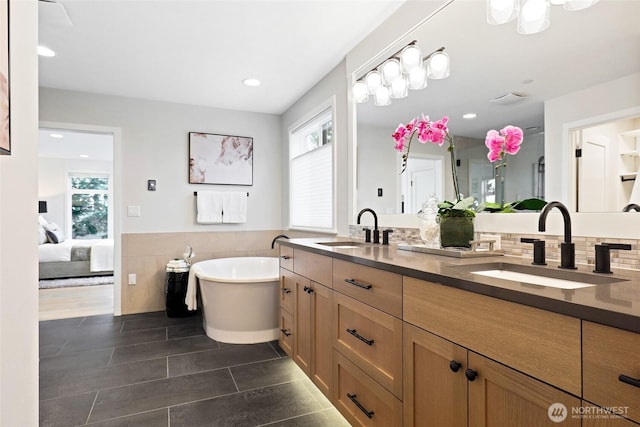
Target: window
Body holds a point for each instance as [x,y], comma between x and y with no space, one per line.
[311,160]
[89,202]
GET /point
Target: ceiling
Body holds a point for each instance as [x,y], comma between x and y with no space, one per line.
[580,49]
[67,144]
[198,52]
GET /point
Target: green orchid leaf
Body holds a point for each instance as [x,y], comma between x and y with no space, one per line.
[464,204]
[529,204]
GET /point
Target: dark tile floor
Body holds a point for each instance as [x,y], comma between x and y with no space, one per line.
[150,370]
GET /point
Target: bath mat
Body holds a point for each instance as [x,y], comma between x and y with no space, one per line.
[75,281]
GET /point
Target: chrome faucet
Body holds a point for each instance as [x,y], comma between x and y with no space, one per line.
[567,249]
[376,232]
[630,207]
[273,242]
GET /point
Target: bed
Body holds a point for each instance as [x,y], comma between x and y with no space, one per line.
[76,258]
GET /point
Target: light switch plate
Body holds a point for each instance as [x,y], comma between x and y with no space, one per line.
[133,210]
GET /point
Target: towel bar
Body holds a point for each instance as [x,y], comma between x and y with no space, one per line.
[195,193]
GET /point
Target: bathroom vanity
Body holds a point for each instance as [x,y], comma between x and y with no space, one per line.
[398,338]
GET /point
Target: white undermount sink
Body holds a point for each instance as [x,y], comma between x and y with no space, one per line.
[514,276]
[540,276]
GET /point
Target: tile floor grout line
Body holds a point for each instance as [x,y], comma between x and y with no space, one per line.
[95,399]
[234,380]
[111,357]
[290,418]
[226,367]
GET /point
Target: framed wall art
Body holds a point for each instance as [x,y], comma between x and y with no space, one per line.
[220,159]
[5,134]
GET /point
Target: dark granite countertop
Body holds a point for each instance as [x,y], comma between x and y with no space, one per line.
[615,303]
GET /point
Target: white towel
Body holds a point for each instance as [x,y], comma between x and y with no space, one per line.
[234,207]
[102,255]
[209,207]
[192,289]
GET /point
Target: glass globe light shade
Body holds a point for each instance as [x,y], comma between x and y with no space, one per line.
[360,93]
[502,11]
[578,4]
[390,70]
[399,88]
[417,78]
[438,66]
[382,96]
[410,58]
[534,16]
[373,80]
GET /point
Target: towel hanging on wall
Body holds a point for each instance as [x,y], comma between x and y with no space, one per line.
[209,207]
[234,207]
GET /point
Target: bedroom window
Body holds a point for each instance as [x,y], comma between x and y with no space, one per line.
[89,203]
[311,171]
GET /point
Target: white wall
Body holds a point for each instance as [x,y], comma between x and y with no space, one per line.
[590,106]
[53,180]
[18,230]
[333,84]
[155,146]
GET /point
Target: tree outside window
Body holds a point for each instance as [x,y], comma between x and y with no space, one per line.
[89,207]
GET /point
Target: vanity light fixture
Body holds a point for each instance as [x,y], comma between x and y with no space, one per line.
[406,69]
[532,15]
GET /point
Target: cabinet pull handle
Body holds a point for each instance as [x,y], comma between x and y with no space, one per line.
[358,284]
[308,290]
[471,374]
[286,290]
[455,366]
[285,332]
[629,380]
[352,397]
[360,337]
[285,257]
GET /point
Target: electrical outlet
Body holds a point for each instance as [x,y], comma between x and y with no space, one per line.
[132,278]
[133,210]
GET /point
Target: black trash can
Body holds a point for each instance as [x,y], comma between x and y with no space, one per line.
[176,291]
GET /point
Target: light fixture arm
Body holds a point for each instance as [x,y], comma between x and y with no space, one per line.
[395,55]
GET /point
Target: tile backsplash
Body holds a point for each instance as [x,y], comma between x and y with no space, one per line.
[511,245]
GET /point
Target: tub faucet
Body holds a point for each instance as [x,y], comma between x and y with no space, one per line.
[376,232]
[273,242]
[567,249]
[630,207]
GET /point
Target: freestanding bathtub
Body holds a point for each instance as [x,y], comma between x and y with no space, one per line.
[240,300]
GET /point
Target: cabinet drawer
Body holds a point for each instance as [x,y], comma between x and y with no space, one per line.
[287,290]
[286,257]
[542,344]
[371,339]
[361,400]
[312,266]
[377,288]
[607,354]
[286,332]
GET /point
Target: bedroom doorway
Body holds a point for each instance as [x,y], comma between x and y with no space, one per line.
[76,204]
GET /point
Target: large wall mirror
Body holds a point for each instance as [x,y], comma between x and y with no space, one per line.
[580,50]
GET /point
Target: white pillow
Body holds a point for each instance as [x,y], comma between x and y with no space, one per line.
[54,234]
[42,235]
[41,220]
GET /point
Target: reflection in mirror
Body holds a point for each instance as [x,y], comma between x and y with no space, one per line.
[580,50]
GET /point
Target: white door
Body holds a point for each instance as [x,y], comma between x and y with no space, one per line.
[424,180]
[592,176]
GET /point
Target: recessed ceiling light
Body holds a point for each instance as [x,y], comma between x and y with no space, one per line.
[56,135]
[251,82]
[45,51]
[469,116]
[84,156]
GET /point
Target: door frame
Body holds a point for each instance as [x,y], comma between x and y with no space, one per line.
[117,197]
[403,178]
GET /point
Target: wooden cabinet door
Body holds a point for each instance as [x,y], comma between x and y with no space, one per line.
[286,332]
[435,386]
[302,323]
[592,416]
[322,338]
[500,396]
[287,290]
